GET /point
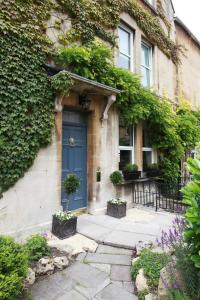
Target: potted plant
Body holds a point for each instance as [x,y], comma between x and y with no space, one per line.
[131,172]
[152,170]
[64,222]
[116,207]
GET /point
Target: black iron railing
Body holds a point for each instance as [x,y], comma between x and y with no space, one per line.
[161,195]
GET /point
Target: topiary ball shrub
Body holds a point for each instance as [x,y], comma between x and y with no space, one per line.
[37,247]
[71,183]
[116,177]
[13,268]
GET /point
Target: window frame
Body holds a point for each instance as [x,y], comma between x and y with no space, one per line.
[153,154]
[131,40]
[129,148]
[150,68]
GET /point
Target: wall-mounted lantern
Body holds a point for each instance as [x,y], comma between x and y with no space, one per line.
[84,101]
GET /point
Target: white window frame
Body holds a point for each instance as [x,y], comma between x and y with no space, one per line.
[130,57]
[129,148]
[154,159]
[145,44]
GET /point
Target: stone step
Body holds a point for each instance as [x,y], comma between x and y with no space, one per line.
[112,259]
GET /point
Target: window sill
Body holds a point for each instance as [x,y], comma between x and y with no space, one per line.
[128,182]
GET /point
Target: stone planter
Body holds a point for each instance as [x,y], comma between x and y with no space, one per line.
[116,210]
[64,229]
[131,175]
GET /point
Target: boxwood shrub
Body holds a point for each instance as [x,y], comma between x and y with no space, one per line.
[13,268]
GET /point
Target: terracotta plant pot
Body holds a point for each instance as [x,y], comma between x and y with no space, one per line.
[116,210]
[64,229]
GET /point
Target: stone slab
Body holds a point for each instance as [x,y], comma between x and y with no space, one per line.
[120,273]
[113,250]
[102,267]
[71,295]
[112,292]
[91,230]
[129,286]
[87,280]
[126,240]
[108,259]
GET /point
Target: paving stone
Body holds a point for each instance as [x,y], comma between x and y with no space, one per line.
[71,295]
[86,279]
[108,259]
[126,240]
[81,256]
[118,283]
[91,230]
[129,286]
[120,273]
[51,286]
[102,267]
[113,250]
[112,292]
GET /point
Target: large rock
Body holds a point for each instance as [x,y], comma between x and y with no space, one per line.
[134,260]
[151,297]
[30,278]
[60,262]
[141,281]
[143,245]
[45,266]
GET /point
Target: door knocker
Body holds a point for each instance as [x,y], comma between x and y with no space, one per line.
[71,141]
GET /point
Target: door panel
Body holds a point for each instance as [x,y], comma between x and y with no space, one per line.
[74,160]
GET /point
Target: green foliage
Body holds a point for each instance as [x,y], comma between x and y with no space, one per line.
[61,83]
[152,263]
[189,274]
[131,167]
[71,183]
[135,103]
[142,294]
[93,18]
[26,102]
[177,295]
[191,196]
[13,268]
[116,177]
[37,247]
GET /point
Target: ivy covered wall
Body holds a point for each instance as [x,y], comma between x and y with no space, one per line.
[26,97]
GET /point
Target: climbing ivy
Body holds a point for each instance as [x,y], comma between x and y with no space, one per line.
[26,99]
[91,18]
[173,133]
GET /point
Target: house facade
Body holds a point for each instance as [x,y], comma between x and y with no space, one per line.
[88,138]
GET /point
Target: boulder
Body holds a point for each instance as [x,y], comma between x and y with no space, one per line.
[60,262]
[143,245]
[134,260]
[30,278]
[45,266]
[151,297]
[141,281]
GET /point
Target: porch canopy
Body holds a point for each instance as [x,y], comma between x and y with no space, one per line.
[82,85]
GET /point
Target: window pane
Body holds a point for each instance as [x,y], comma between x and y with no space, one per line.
[145,77]
[124,41]
[125,158]
[146,56]
[123,61]
[147,139]
[147,159]
[125,136]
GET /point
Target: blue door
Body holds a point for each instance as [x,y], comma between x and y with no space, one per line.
[74,161]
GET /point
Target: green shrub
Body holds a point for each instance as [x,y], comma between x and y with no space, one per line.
[71,183]
[177,295]
[131,167]
[37,247]
[13,268]
[116,178]
[191,196]
[152,263]
[142,294]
